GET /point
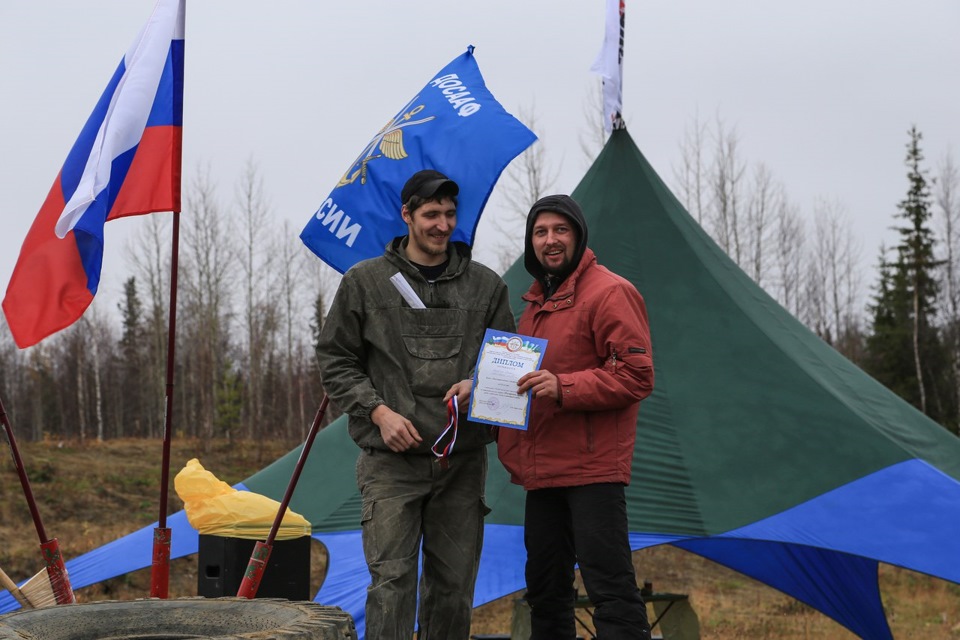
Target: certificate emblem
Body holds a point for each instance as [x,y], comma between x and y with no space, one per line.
[514,344]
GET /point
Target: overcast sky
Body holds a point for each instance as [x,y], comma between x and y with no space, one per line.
[822,92]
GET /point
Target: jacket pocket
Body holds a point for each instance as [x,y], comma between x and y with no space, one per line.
[636,357]
[432,334]
[432,341]
[432,348]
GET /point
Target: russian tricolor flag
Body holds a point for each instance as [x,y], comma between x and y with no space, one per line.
[125,162]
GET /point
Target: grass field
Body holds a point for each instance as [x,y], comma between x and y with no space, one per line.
[93,493]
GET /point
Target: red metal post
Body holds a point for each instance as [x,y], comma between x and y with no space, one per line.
[160,567]
[57,572]
[255,568]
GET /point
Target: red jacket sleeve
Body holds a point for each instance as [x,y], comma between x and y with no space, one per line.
[622,342]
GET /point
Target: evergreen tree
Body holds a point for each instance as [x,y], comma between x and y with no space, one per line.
[131,310]
[889,357]
[229,403]
[904,350]
[133,363]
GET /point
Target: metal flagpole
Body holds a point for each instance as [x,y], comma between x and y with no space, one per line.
[261,551]
[56,571]
[160,568]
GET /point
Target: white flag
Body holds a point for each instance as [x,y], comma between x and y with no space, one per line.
[609,65]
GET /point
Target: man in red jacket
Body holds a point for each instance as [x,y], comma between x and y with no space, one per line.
[574,459]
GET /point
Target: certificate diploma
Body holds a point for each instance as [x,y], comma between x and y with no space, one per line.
[504,358]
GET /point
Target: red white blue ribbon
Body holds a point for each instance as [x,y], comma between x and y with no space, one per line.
[453,418]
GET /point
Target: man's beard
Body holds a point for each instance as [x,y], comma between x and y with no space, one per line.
[559,271]
[423,243]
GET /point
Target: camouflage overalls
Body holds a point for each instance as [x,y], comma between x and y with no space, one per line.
[374,349]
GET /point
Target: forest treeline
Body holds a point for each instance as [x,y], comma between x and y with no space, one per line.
[251,300]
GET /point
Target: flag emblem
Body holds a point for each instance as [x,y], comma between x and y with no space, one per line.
[390,143]
[453,125]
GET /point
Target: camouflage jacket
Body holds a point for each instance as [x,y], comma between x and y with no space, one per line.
[374,349]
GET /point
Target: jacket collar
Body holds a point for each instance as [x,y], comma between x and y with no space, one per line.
[457,252]
[567,287]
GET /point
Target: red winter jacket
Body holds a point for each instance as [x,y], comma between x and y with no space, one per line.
[599,349]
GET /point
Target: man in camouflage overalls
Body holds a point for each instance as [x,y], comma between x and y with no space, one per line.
[392,368]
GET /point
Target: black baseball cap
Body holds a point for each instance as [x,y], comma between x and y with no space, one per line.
[427,183]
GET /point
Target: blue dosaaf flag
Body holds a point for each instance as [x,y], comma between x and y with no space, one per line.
[453,125]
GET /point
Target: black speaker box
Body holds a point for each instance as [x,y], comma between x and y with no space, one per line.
[222,562]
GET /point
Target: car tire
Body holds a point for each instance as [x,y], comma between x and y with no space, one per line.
[180,619]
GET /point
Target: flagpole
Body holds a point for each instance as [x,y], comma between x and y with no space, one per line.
[261,550]
[50,548]
[160,568]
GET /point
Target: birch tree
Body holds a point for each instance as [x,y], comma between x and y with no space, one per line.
[726,190]
[947,215]
[593,136]
[835,268]
[790,257]
[764,200]
[205,290]
[527,179]
[254,255]
[691,174]
[149,253]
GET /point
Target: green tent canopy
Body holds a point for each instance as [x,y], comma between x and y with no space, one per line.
[760,448]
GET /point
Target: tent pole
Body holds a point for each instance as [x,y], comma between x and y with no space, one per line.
[50,548]
[261,551]
[160,567]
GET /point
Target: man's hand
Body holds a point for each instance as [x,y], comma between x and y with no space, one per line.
[398,432]
[462,390]
[542,384]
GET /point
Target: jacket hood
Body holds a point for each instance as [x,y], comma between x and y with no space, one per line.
[567,207]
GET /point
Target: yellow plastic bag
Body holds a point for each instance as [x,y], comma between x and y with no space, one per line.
[215,508]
